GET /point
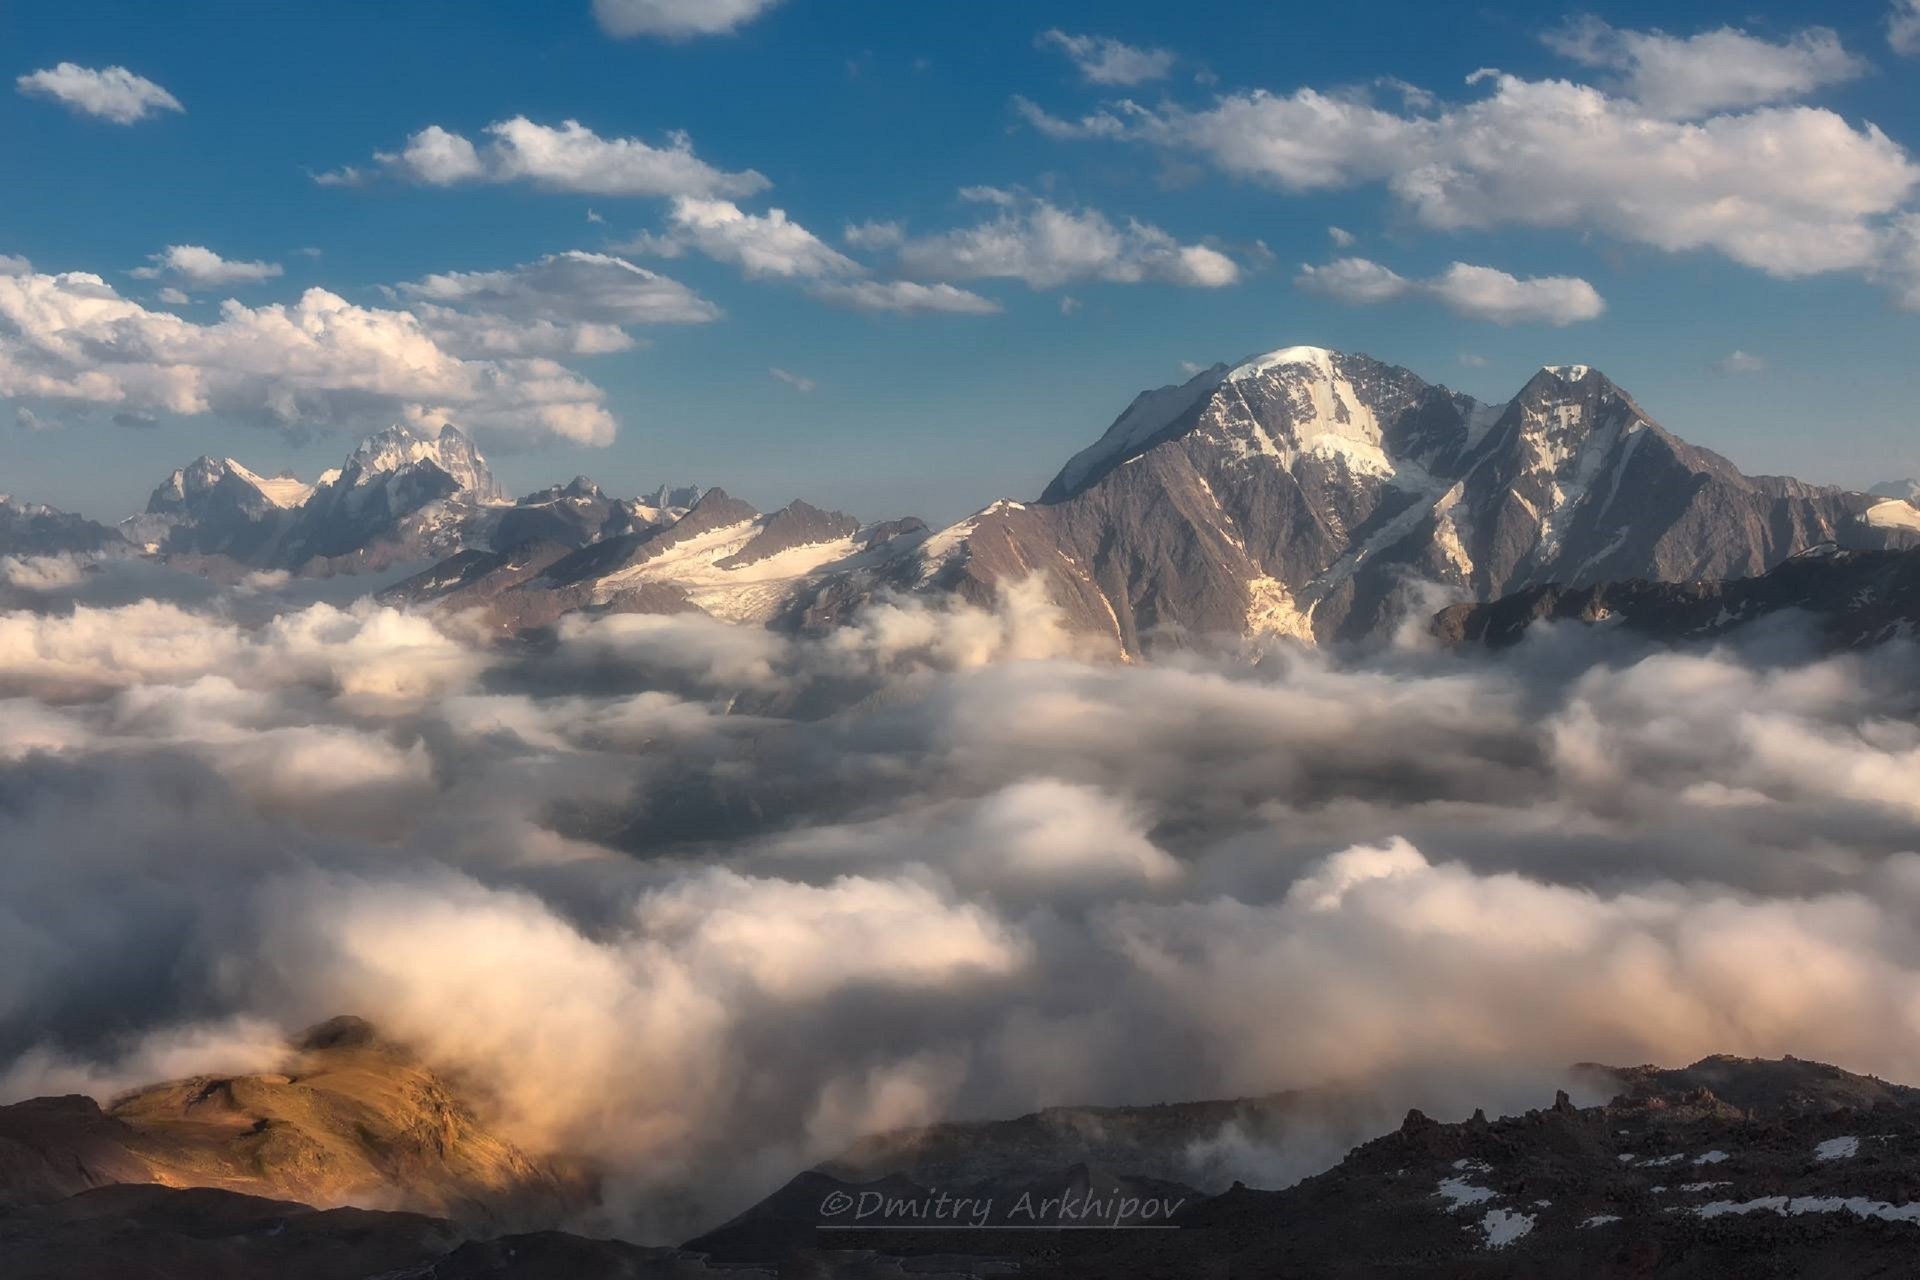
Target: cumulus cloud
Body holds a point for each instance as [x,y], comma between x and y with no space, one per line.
[766,245]
[1104,60]
[794,380]
[702,903]
[570,158]
[1046,246]
[109,93]
[1789,190]
[772,246]
[195,267]
[317,361]
[874,234]
[1903,27]
[1688,77]
[1481,293]
[676,19]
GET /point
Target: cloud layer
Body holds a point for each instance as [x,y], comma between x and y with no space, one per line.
[702,903]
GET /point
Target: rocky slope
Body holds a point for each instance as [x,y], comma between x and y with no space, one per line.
[1851,598]
[1727,1167]
[351,1120]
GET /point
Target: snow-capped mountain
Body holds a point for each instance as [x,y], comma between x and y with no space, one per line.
[397,496]
[34,529]
[1905,490]
[1325,495]
[719,556]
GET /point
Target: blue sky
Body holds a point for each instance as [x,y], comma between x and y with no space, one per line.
[1764,217]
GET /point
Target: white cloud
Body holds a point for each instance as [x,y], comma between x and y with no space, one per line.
[676,19]
[772,246]
[173,297]
[1480,293]
[1735,362]
[14,265]
[436,157]
[1903,27]
[1048,246]
[114,93]
[874,235]
[318,361]
[486,334]
[570,158]
[1469,360]
[195,267]
[1688,77]
[768,244]
[1341,237]
[575,285]
[1788,190]
[906,297]
[565,304]
[794,380]
[1104,60]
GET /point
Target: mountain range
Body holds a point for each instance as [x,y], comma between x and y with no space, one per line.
[1305,492]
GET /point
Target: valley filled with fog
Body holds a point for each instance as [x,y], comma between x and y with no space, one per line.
[701,904]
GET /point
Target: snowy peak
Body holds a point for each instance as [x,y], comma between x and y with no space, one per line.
[192,487]
[1317,360]
[399,448]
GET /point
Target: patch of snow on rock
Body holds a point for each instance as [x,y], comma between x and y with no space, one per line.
[1503,1227]
[1837,1149]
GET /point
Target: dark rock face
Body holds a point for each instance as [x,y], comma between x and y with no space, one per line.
[1312,493]
[1853,598]
[30,529]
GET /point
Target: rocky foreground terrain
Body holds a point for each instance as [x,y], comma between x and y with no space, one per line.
[357,1161]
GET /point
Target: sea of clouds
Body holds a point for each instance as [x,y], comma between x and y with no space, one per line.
[704,903]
